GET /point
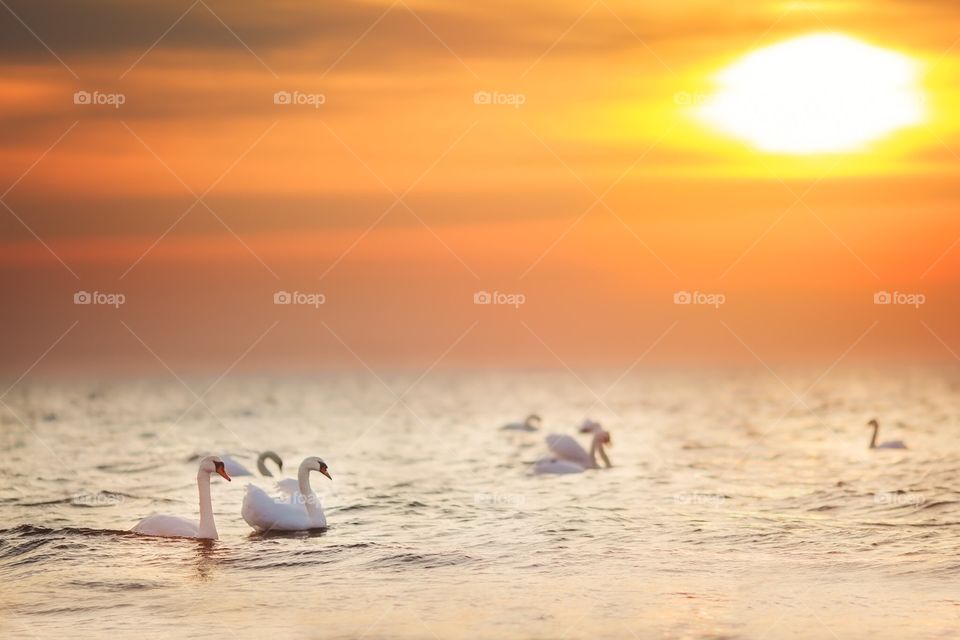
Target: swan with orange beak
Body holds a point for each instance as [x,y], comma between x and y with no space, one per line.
[176,527]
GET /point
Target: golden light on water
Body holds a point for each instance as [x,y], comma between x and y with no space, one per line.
[822,93]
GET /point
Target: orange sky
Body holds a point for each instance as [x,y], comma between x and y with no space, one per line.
[597,198]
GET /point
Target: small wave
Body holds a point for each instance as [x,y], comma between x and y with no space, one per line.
[87,500]
[425,560]
[121,467]
[936,505]
[29,530]
[111,587]
[352,507]
[307,533]
[92,608]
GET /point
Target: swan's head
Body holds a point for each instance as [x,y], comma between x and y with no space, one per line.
[213,464]
[604,438]
[533,420]
[314,463]
[590,426]
[873,423]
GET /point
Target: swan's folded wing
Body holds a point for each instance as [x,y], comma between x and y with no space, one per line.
[167,527]
[565,447]
[556,465]
[290,488]
[263,513]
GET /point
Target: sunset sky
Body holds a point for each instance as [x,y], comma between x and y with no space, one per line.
[593,186]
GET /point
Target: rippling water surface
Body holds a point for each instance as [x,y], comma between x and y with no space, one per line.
[734,510]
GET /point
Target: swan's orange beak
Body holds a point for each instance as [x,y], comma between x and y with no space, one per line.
[221,470]
[324,471]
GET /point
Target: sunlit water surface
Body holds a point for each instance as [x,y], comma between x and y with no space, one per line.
[734,509]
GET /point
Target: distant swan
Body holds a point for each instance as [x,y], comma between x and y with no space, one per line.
[532,423]
[568,456]
[889,444]
[301,511]
[235,468]
[174,527]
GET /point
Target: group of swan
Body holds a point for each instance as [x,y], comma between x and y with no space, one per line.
[566,454]
[235,468]
[300,510]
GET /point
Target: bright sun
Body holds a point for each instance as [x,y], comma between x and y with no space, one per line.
[820,93]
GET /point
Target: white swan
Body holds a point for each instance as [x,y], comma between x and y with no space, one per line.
[174,527]
[532,423]
[568,456]
[235,468]
[301,512]
[889,444]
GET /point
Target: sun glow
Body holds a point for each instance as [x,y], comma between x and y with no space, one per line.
[821,93]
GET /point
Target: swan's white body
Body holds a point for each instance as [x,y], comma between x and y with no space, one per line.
[175,527]
[233,467]
[532,423]
[889,444]
[567,448]
[557,466]
[892,444]
[301,510]
[568,456]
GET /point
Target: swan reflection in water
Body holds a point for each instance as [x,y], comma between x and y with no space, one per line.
[208,556]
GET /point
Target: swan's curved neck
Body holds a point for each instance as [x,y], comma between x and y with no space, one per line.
[309,497]
[873,440]
[596,447]
[262,463]
[208,528]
